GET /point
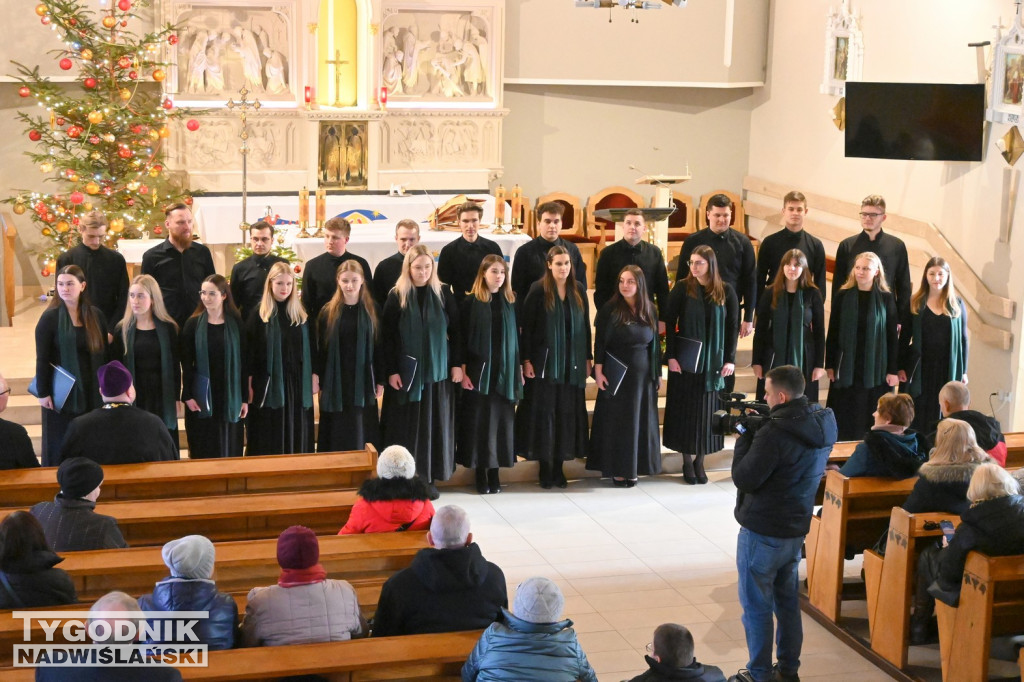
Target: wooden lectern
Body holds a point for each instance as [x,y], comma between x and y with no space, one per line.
[662,199]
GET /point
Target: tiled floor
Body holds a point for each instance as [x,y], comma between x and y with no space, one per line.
[631,559]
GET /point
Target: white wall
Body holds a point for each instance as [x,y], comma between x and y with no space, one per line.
[794,141]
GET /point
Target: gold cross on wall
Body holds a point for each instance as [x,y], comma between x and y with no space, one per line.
[336,64]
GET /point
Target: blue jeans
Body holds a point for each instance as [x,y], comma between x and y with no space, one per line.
[768,584]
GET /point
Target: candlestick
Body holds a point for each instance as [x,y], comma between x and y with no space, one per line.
[321,211]
[499,205]
[303,213]
[309,97]
[517,205]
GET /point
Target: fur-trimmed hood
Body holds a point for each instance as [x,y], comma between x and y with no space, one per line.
[947,473]
[384,489]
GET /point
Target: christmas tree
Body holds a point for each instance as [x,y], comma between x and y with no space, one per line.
[100,139]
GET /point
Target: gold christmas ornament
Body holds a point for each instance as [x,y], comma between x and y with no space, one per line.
[47,232]
[92,188]
[109,22]
[46,167]
[95,117]
[19,208]
[86,54]
[126,94]
[108,137]
[116,225]
[154,135]
[133,185]
[164,132]
[87,206]
[41,9]
[63,226]
[153,172]
[95,156]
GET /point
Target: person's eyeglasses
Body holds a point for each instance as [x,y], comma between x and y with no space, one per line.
[5,391]
[694,263]
[872,216]
[650,647]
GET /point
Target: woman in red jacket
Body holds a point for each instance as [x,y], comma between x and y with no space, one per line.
[396,500]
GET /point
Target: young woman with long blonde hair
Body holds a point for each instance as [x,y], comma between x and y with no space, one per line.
[280,362]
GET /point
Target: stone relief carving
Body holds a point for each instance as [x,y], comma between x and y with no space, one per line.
[224,48]
[437,56]
[218,149]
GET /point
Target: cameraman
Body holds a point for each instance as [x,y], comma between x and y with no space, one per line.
[776,472]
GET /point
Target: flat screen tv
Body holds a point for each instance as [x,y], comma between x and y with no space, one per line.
[915,121]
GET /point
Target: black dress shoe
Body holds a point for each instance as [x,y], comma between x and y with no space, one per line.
[546,485]
[483,488]
[689,480]
[619,482]
[432,492]
[562,483]
[493,482]
[701,479]
[630,482]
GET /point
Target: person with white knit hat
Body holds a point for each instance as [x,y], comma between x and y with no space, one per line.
[396,500]
[191,588]
[534,644]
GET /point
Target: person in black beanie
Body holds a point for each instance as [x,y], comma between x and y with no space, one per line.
[70,522]
[118,432]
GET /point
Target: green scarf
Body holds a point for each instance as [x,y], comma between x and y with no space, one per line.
[232,364]
[713,351]
[169,411]
[362,384]
[275,366]
[67,342]
[876,350]
[788,325]
[430,348]
[557,370]
[478,341]
[956,351]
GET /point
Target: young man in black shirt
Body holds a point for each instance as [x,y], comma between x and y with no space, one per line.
[179,264]
[791,236]
[105,269]
[531,259]
[407,235]
[460,259]
[320,276]
[632,250]
[249,274]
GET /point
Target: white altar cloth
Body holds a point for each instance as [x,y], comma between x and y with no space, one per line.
[217,218]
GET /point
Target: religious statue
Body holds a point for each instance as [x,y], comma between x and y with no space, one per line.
[196,68]
[355,157]
[483,50]
[245,45]
[411,47]
[472,71]
[391,72]
[330,156]
[214,70]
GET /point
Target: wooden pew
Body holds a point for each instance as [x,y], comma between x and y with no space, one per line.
[991,604]
[202,477]
[366,561]
[891,581]
[855,512]
[436,656]
[227,517]
[842,450]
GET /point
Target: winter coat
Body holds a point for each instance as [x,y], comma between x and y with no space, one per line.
[389,504]
[514,649]
[36,582]
[695,672]
[886,454]
[443,590]
[777,470]
[72,525]
[327,611]
[940,488]
[994,527]
[987,431]
[177,594]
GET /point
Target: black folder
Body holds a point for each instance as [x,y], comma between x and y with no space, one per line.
[614,371]
[688,353]
[62,384]
[201,392]
[407,366]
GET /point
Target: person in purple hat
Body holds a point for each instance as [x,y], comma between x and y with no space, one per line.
[305,606]
[118,432]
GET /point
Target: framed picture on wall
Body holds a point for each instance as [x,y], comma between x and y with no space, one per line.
[844,50]
[343,155]
[1007,88]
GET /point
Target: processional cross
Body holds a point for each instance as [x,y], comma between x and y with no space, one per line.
[244,106]
[336,65]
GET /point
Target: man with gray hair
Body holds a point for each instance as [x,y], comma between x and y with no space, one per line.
[448,587]
[955,403]
[103,629]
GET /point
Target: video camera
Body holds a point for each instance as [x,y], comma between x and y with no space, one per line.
[751,415]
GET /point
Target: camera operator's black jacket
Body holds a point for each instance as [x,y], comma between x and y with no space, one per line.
[778,469]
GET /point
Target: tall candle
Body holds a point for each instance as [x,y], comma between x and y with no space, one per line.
[499,204]
[321,205]
[304,206]
[517,205]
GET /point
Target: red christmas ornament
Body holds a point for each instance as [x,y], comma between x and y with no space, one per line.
[133,74]
[45,21]
[44,272]
[24,91]
[124,153]
[90,82]
[124,23]
[74,131]
[136,129]
[65,64]
[143,190]
[124,5]
[192,125]
[168,104]
[76,198]
[94,139]
[124,62]
[59,120]
[298,269]
[108,190]
[35,135]
[130,202]
[188,201]
[158,230]
[172,39]
[73,21]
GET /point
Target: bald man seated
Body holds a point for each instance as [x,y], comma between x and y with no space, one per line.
[448,587]
[955,403]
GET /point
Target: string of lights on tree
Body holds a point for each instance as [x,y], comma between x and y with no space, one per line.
[103,141]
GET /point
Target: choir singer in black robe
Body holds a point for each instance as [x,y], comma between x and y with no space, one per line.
[105,269]
[179,264]
[319,277]
[407,235]
[460,259]
[632,250]
[531,260]
[249,274]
